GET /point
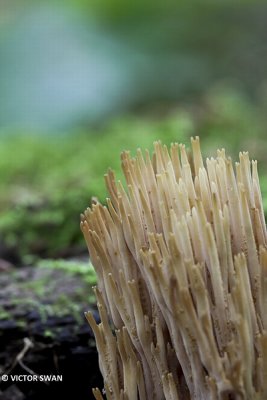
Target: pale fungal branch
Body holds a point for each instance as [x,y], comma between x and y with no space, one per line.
[181,260]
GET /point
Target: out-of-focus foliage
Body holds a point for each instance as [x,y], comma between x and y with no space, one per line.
[68,64]
[46,182]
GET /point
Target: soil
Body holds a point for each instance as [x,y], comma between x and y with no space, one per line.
[43,332]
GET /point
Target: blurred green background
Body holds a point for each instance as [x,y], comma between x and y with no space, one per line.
[82,80]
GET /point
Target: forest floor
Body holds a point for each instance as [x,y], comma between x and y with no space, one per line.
[43,332]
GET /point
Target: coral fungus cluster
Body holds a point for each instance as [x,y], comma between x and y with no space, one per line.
[181,260]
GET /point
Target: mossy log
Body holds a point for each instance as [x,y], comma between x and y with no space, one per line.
[43,331]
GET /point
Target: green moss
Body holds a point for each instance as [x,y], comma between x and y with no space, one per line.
[4,315]
[38,286]
[21,324]
[49,334]
[86,270]
[46,182]
[57,288]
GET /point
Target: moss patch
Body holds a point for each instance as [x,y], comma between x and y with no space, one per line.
[46,182]
[55,289]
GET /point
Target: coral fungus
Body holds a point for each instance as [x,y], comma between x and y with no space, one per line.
[181,260]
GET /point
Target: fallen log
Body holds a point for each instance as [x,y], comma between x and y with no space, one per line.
[43,334]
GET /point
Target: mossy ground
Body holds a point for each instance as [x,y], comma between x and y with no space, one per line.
[45,305]
[54,289]
[47,181]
